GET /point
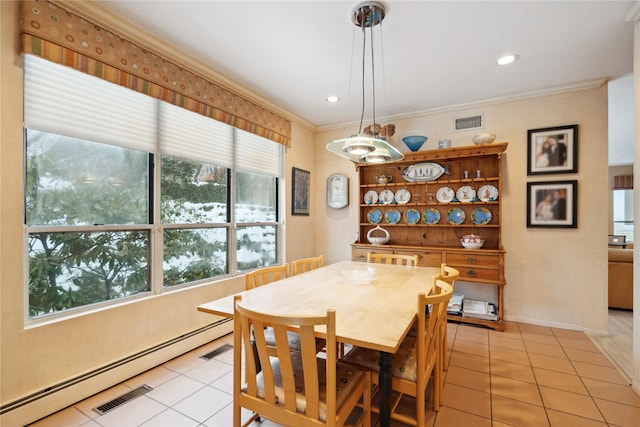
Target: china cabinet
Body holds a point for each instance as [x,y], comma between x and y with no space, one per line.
[428,202]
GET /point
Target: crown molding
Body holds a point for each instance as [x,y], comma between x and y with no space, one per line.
[552,90]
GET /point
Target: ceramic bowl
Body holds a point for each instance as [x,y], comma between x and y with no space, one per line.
[472,241]
[414,142]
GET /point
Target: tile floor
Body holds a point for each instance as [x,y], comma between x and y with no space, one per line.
[525,376]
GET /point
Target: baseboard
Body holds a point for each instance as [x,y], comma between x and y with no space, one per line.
[45,402]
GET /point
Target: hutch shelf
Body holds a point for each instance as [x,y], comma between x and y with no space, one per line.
[427,216]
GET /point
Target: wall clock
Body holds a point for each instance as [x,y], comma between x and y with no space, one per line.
[337,191]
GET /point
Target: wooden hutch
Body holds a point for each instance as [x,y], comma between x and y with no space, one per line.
[414,226]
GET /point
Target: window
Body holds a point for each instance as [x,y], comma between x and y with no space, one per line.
[107,167]
[623,214]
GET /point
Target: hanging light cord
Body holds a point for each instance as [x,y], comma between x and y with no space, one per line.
[373,78]
[364,44]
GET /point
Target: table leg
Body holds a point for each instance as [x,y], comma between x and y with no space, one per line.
[384,378]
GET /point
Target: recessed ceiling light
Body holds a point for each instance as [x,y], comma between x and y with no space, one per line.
[332,99]
[507,59]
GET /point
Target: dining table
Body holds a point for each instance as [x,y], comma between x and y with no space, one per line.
[375,304]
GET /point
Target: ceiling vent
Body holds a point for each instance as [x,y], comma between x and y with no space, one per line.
[466,123]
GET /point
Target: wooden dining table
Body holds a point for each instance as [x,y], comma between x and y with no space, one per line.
[375,304]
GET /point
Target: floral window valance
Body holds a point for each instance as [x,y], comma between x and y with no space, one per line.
[68,39]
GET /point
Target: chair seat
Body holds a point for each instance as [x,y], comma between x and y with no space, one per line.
[293,338]
[404,365]
[347,377]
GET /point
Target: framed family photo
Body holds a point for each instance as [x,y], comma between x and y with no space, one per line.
[552,150]
[300,191]
[552,204]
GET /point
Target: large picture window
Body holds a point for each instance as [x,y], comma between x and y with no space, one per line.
[99,203]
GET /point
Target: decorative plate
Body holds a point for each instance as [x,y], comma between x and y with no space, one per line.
[423,172]
[403,196]
[481,216]
[455,216]
[445,194]
[466,194]
[431,216]
[386,197]
[412,216]
[371,197]
[488,193]
[374,216]
[392,216]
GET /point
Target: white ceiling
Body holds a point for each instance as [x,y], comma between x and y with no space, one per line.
[434,54]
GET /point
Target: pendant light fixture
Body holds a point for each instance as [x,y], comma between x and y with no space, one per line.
[364,148]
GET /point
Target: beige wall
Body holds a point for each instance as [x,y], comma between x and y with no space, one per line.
[554,276]
[33,358]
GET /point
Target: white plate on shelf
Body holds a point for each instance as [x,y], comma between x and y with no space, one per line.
[371,197]
[386,197]
[466,194]
[445,194]
[403,196]
[488,193]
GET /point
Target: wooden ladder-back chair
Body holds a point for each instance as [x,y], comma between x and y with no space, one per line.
[418,357]
[411,260]
[306,264]
[294,388]
[449,275]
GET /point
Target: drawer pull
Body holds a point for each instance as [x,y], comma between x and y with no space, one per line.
[472,260]
[472,273]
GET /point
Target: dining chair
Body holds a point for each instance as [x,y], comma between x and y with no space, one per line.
[411,260]
[265,275]
[418,357]
[294,388]
[449,275]
[306,264]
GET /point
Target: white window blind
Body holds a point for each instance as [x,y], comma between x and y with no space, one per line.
[194,136]
[257,154]
[64,101]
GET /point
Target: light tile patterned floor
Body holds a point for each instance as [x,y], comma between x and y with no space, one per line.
[525,376]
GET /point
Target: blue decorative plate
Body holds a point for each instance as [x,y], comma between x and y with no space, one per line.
[481,216]
[392,216]
[455,216]
[431,216]
[412,216]
[374,216]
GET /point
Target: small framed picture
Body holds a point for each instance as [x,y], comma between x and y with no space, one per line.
[337,191]
[552,204]
[301,180]
[552,150]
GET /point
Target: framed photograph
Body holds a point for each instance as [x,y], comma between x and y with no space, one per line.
[337,191]
[552,204]
[552,150]
[301,180]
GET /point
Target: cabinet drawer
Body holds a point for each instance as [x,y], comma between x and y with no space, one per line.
[425,258]
[473,259]
[480,274]
[360,254]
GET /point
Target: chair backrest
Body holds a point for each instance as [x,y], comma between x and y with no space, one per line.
[275,393]
[449,274]
[429,326]
[265,275]
[306,264]
[411,260]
